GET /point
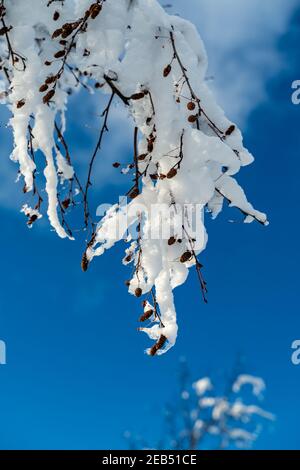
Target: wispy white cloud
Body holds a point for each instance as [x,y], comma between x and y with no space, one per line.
[241,37]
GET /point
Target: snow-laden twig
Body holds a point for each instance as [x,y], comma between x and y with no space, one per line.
[185,151]
[205,417]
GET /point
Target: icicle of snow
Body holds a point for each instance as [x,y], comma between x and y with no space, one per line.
[64,169]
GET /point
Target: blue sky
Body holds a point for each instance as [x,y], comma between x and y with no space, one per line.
[76,375]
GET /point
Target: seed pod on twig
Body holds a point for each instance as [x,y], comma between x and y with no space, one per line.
[171,241]
[192,118]
[186,257]
[66,203]
[150,146]
[167,70]
[95,10]
[230,130]
[59,54]
[146,315]
[56,33]
[138,96]
[20,103]
[4,30]
[32,219]
[50,79]
[48,96]
[172,173]
[84,262]
[134,193]
[43,88]
[138,292]
[160,343]
[191,106]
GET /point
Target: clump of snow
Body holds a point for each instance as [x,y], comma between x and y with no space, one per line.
[31,214]
[64,169]
[258,385]
[202,386]
[229,416]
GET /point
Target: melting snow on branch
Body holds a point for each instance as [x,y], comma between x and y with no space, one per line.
[185,151]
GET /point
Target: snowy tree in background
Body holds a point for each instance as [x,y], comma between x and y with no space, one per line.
[185,151]
[211,417]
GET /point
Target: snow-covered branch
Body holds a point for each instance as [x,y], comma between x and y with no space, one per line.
[185,151]
[205,417]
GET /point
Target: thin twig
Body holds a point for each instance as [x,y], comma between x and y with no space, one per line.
[103,129]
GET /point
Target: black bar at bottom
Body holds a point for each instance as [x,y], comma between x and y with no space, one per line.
[135,459]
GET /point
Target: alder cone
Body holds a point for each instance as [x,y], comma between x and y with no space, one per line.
[55,15]
[137,96]
[60,54]
[146,315]
[191,106]
[192,118]
[160,343]
[43,88]
[66,203]
[56,33]
[167,70]
[32,219]
[230,130]
[150,146]
[4,30]
[186,257]
[68,29]
[20,103]
[48,96]
[171,241]
[50,79]
[84,263]
[138,292]
[66,33]
[95,10]
[134,193]
[172,173]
